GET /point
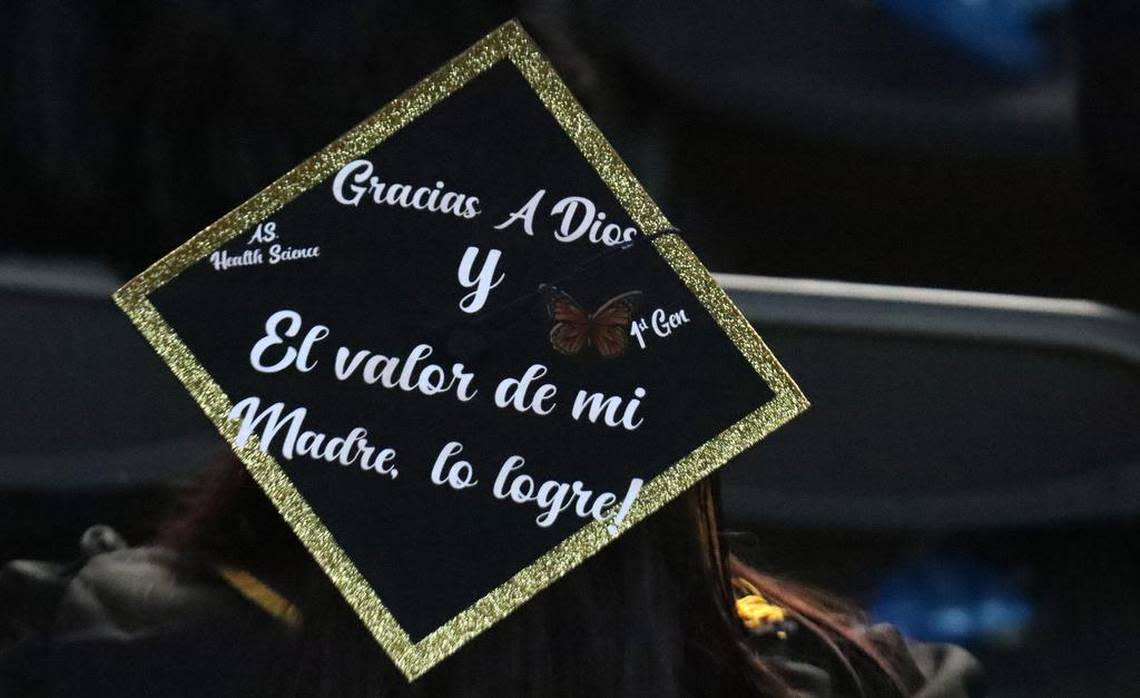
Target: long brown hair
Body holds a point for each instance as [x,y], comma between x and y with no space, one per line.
[652,614]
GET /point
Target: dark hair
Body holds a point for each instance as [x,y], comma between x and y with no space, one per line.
[652,614]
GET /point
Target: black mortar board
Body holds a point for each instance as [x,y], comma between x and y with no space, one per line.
[412,425]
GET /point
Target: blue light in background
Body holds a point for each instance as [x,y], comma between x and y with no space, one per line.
[952,598]
[1000,32]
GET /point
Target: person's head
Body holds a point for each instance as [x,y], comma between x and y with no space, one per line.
[651,614]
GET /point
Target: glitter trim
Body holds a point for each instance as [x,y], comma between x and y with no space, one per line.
[511,42]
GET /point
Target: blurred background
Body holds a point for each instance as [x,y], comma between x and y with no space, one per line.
[926,207]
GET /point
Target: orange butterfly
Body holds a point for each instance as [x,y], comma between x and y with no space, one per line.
[606,329]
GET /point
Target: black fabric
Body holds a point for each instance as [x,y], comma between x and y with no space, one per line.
[129,622]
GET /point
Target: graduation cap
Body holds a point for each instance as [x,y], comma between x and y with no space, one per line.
[461,342]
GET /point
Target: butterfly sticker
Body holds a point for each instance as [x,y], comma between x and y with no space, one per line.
[606,329]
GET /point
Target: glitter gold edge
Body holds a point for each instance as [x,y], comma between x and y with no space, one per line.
[375,129]
[269,475]
[509,41]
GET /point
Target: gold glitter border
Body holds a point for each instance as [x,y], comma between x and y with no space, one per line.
[510,41]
